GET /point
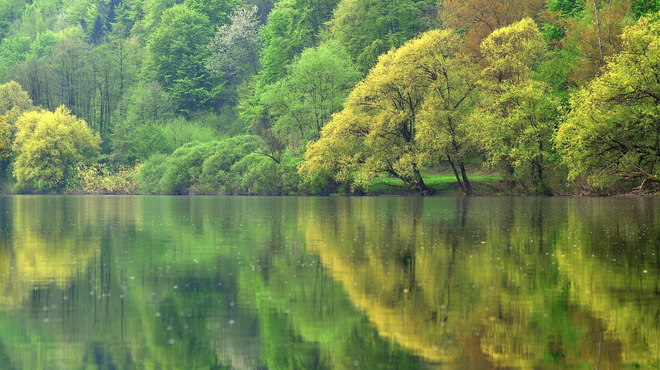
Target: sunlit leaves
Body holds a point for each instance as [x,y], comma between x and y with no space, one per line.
[49,146]
[518,115]
[613,126]
[377,132]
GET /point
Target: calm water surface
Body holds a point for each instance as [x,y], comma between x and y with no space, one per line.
[162,283]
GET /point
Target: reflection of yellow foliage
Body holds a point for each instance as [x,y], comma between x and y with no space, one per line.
[434,287]
[52,240]
[613,286]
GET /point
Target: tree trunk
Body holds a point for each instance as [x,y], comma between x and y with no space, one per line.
[600,43]
[468,187]
[458,179]
[420,185]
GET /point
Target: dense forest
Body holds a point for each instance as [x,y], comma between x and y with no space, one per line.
[329,96]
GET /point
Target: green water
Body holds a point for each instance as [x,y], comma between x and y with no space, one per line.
[94,282]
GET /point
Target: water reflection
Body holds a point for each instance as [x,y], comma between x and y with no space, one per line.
[328,283]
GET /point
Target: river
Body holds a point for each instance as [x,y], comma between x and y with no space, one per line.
[147,282]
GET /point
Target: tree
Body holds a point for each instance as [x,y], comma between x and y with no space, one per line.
[216,10]
[593,35]
[315,88]
[518,115]
[293,26]
[368,28]
[613,128]
[445,129]
[379,129]
[5,139]
[14,101]
[478,18]
[177,51]
[72,75]
[235,47]
[49,146]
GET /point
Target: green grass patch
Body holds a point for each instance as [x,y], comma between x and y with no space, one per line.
[440,184]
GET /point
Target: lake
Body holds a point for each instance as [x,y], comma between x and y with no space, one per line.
[113,282]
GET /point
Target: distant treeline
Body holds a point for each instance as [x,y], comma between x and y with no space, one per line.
[328,96]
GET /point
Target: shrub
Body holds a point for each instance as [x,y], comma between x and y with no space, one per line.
[98,179]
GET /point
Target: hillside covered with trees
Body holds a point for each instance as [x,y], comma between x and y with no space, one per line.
[281,97]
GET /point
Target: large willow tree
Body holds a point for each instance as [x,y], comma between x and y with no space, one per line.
[613,128]
[405,115]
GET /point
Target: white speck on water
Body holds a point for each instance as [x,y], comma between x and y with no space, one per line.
[46,320]
[176,287]
[169,327]
[232,322]
[157,314]
[171,341]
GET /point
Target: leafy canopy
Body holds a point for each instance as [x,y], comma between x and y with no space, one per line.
[316,86]
[378,130]
[50,145]
[613,127]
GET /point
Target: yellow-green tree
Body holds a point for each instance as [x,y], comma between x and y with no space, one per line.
[445,132]
[13,101]
[50,145]
[5,141]
[518,115]
[613,128]
[378,132]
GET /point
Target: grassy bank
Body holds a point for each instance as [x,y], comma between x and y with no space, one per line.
[440,184]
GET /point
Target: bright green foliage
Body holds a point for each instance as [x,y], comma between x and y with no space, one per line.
[254,174]
[566,8]
[378,130]
[180,131]
[184,167]
[216,10]
[14,49]
[151,172]
[149,103]
[293,25]
[613,127]
[644,7]
[216,168]
[518,115]
[150,138]
[92,16]
[315,87]
[368,28]
[445,132]
[49,146]
[177,52]
[10,10]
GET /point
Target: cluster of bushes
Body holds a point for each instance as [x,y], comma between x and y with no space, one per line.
[229,166]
